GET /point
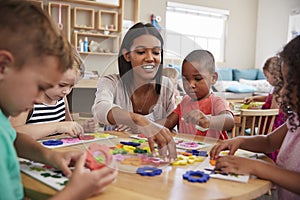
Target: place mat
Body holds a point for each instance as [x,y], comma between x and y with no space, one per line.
[68,140]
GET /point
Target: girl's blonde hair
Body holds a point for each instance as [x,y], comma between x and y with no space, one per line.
[28,32]
[78,63]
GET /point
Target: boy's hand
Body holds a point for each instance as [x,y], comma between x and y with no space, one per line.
[198,118]
[95,181]
[63,160]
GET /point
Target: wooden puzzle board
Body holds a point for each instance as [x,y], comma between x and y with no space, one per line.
[68,141]
[181,143]
[208,168]
[47,175]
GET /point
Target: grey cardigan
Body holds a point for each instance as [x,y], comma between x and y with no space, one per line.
[110,93]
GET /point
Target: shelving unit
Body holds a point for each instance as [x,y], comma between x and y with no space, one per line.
[100,23]
[107,20]
[39,3]
[107,44]
[61,13]
[83,18]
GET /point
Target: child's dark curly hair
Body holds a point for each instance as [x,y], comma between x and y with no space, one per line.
[290,58]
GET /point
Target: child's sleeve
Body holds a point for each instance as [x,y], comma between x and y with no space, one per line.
[220,105]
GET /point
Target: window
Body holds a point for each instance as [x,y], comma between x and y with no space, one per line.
[191,27]
[294,24]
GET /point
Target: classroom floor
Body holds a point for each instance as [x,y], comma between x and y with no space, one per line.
[272,196]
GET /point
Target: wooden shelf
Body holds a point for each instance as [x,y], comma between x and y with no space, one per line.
[60,11]
[98,53]
[87,83]
[107,18]
[84,18]
[93,3]
[96,34]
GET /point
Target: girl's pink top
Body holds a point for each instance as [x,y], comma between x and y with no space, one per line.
[288,158]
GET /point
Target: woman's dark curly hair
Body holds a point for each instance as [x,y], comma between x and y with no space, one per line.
[125,68]
[290,58]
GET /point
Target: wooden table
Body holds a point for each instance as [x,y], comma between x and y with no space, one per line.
[169,185]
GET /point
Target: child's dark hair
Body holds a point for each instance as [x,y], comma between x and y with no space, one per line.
[27,32]
[204,57]
[269,62]
[125,68]
[290,57]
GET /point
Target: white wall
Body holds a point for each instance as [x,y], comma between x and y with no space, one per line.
[257,29]
[272,27]
[240,44]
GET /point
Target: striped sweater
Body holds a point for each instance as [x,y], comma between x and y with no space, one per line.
[43,113]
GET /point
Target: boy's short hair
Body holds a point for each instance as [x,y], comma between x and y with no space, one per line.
[203,57]
[28,32]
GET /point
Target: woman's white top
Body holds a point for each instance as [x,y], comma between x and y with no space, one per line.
[110,93]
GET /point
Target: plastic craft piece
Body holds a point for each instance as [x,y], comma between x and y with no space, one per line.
[135,161]
[189,144]
[200,128]
[142,136]
[86,137]
[93,161]
[52,142]
[198,153]
[134,144]
[212,162]
[139,141]
[148,171]
[196,176]
[140,151]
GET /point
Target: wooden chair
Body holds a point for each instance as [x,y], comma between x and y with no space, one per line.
[255,119]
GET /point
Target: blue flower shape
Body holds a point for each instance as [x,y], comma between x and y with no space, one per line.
[198,153]
[52,142]
[196,176]
[134,144]
[148,171]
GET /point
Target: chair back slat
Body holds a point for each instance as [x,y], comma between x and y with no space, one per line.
[262,120]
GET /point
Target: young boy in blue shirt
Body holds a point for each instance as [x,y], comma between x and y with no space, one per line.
[33,56]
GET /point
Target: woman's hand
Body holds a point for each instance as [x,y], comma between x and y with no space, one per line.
[162,136]
[121,127]
[165,143]
[232,145]
[70,127]
[90,126]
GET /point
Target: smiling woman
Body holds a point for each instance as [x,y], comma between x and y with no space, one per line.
[138,96]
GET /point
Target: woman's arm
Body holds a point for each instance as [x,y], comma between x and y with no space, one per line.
[170,122]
